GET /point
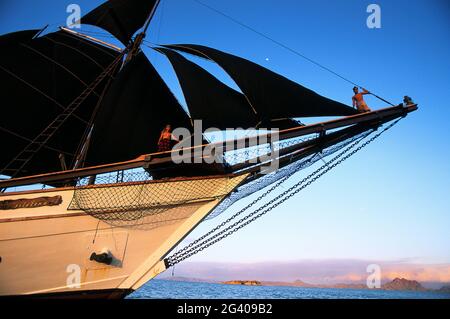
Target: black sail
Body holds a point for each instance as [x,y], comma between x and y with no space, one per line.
[121,18]
[208,99]
[272,95]
[40,77]
[14,37]
[133,113]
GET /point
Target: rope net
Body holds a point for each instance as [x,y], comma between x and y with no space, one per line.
[128,201]
[266,180]
[263,149]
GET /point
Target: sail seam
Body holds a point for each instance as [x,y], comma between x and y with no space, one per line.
[76,50]
[39,91]
[58,64]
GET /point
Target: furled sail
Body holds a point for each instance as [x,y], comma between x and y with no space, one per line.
[121,18]
[271,95]
[133,113]
[40,77]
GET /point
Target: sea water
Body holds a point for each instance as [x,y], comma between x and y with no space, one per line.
[168,289]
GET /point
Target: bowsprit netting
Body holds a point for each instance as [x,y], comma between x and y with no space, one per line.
[269,179]
[132,201]
[263,149]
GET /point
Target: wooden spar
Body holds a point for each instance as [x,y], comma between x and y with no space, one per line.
[87,37]
[40,32]
[294,150]
[155,160]
[395,112]
[299,151]
[67,175]
[317,144]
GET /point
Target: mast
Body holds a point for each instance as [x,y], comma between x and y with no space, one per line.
[133,49]
[136,45]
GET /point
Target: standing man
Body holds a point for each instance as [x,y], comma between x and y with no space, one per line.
[358,100]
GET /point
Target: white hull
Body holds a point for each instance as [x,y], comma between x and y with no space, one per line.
[43,248]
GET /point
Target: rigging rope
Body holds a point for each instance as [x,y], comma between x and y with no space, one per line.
[205,242]
[284,46]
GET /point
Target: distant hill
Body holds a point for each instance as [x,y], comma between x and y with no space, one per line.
[403,284]
[400,284]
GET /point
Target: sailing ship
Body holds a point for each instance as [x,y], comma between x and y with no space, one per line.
[81,119]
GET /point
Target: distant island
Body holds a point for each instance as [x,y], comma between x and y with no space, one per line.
[398,284]
[243,282]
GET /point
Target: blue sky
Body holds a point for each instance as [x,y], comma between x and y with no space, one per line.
[390,202]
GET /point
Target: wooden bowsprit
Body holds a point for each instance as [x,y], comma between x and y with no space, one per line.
[159,160]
